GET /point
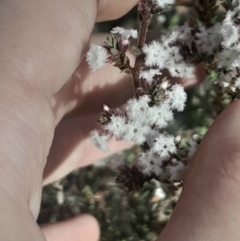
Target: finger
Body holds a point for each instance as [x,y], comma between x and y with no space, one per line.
[80,228]
[207,207]
[42,43]
[117,9]
[72,147]
[45,40]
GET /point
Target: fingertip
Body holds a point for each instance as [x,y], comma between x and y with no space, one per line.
[109,10]
[88,224]
[80,228]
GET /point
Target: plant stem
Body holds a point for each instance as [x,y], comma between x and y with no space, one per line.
[145,21]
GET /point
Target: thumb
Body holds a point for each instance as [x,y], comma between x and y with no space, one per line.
[207,208]
[80,228]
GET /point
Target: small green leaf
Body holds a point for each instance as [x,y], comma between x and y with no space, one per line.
[115,43]
[136,50]
[114,51]
[213,75]
[108,43]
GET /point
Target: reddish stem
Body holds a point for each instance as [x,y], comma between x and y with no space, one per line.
[145,21]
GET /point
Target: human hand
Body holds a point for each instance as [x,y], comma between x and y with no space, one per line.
[208,206]
[42,44]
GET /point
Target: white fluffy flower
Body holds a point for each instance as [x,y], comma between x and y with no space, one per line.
[184,31]
[96,57]
[208,39]
[181,69]
[164,54]
[156,54]
[160,115]
[177,171]
[163,3]
[230,33]
[151,136]
[164,146]
[125,33]
[117,127]
[177,97]
[236,63]
[100,141]
[148,75]
[150,164]
[172,58]
[228,59]
[126,130]
[136,132]
[137,110]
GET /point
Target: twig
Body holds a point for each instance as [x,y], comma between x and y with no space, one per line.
[145,21]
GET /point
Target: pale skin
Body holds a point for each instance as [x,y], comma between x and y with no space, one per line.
[42,44]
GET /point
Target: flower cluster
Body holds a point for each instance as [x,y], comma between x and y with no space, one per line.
[212,38]
[219,46]
[170,52]
[144,117]
[143,122]
[114,50]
